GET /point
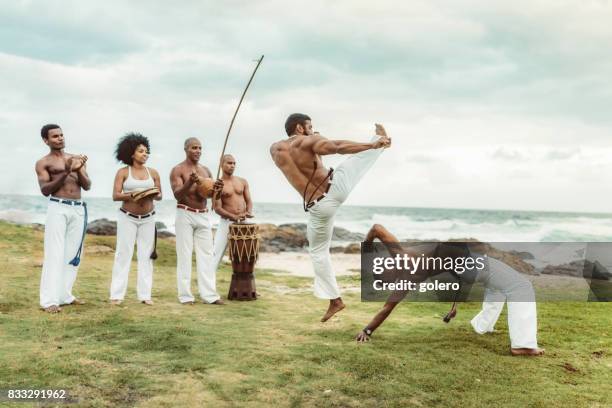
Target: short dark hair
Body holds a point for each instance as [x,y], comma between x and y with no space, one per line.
[44,132]
[127,146]
[293,120]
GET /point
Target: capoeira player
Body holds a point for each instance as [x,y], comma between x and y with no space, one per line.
[502,284]
[233,204]
[323,190]
[193,228]
[135,218]
[61,177]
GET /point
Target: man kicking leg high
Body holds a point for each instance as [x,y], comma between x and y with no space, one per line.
[323,190]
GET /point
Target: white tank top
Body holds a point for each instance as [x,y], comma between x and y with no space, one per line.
[131,184]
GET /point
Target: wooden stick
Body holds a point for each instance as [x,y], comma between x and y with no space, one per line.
[235,113]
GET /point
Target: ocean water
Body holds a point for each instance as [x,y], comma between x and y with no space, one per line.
[405,223]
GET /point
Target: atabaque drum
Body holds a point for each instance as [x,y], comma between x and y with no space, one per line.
[243,242]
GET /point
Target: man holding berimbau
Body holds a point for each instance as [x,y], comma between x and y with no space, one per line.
[192,184]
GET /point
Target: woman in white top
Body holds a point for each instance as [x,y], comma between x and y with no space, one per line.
[135,219]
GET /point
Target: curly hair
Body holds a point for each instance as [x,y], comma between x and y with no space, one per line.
[127,146]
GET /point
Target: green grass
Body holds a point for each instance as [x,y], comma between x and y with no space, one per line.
[274,352]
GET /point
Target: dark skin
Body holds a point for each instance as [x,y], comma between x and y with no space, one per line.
[184,177]
[139,172]
[234,202]
[391,243]
[296,157]
[59,173]
[62,175]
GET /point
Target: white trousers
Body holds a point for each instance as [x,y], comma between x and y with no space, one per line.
[63,233]
[321,219]
[221,241]
[132,231]
[502,284]
[194,230]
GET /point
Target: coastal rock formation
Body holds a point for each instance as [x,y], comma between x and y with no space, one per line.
[107,227]
[102,226]
[287,237]
[580,269]
[511,258]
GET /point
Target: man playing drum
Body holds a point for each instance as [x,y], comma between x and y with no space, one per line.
[233,205]
[323,190]
[61,177]
[189,183]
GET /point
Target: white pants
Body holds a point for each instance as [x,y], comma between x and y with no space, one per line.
[63,234]
[194,230]
[321,219]
[502,284]
[132,231]
[220,241]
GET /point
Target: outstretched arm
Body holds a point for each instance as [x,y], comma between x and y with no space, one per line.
[378,319]
[323,146]
[392,243]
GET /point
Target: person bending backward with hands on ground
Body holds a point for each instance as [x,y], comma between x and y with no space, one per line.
[502,283]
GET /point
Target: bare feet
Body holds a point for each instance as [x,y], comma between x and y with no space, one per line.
[116,302]
[77,302]
[53,309]
[189,302]
[148,302]
[217,302]
[380,131]
[527,352]
[335,305]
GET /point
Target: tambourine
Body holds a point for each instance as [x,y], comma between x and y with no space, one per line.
[147,192]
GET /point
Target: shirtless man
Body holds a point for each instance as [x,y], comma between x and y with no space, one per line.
[193,227]
[323,190]
[502,284]
[61,177]
[233,205]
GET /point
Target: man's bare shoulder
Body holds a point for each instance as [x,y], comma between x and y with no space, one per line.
[178,169]
[278,145]
[45,161]
[242,180]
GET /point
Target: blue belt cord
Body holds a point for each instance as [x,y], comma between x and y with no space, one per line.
[77,258]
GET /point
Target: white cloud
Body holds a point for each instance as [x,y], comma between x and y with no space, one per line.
[475,94]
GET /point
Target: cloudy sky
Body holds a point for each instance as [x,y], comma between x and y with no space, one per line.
[491,105]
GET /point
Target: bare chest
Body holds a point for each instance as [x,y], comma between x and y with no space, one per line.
[232,188]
